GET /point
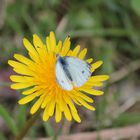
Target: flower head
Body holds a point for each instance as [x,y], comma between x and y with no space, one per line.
[36,75]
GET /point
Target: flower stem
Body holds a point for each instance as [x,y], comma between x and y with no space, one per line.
[27,126]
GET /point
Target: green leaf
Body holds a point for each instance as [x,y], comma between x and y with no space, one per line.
[135,4]
[9,121]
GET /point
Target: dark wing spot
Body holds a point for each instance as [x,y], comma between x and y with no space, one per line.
[62,81]
[83,71]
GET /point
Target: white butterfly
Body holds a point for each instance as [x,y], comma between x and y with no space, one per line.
[71,71]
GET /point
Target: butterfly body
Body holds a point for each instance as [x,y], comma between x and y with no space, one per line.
[71,72]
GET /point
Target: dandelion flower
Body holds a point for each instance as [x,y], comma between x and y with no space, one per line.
[36,76]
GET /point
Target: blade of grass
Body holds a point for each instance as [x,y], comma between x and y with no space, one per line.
[129,26]
[48,129]
[21,117]
[100,32]
[9,121]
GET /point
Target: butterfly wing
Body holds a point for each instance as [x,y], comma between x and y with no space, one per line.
[62,78]
[78,69]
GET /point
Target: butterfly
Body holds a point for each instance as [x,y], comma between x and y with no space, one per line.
[71,72]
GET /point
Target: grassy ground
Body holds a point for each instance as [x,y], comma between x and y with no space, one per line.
[110,29]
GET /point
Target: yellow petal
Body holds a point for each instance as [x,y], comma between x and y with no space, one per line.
[21,85]
[24,79]
[65,47]
[48,44]
[37,42]
[69,53]
[30,91]
[52,41]
[16,64]
[69,102]
[20,68]
[67,112]
[85,104]
[37,105]
[29,97]
[32,52]
[96,65]
[24,71]
[58,47]
[47,99]
[91,84]
[24,60]
[92,91]
[89,60]
[82,53]
[29,46]
[35,58]
[51,107]
[45,114]
[74,98]
[77,102]
[58,114]
[60,102]
[83,96]
[98,78]
[76,116]
[72,107]
[76,50]
[40,47]
[99,84]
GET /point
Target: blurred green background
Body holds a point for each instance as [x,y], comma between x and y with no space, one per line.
[110,29]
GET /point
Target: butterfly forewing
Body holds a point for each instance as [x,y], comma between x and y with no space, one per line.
[62,78]
[78,69]
[71,71]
